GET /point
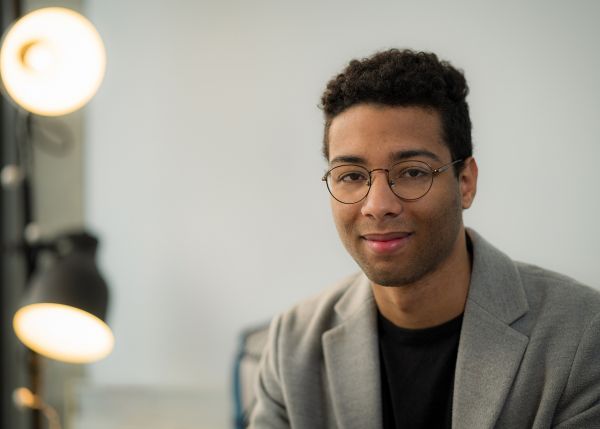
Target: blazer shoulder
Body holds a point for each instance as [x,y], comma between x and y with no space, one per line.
[320,305]
[314,316]
[548,291]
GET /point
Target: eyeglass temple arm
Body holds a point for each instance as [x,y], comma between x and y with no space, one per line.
[447,166]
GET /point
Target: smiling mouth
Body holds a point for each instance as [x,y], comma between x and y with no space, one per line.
[387,242]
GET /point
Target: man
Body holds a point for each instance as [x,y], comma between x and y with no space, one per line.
[440,329]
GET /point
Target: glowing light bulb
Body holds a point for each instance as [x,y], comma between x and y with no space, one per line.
[52,61]
[63,332]
[24,398]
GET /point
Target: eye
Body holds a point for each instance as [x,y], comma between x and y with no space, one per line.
[413,173]
[352,177]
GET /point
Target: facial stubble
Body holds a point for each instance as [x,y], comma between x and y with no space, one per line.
[431,244]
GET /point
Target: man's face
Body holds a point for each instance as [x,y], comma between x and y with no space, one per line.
[396,242]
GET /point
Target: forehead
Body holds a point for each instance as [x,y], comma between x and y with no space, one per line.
[378,134]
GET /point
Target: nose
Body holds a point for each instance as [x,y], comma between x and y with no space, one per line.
[381,202]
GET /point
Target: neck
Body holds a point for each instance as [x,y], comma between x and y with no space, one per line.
[436,298]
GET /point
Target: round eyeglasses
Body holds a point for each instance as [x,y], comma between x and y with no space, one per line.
[408,180]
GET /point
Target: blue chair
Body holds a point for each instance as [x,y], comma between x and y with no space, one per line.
[251,345]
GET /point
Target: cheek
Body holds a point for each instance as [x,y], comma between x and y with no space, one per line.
[344,216]
[447,213]
[441,210]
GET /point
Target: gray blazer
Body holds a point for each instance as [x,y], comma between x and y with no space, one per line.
[528,356]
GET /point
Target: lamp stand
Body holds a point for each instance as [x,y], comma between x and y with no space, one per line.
[35,383]
[25,163]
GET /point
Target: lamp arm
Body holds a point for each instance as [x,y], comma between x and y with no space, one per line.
[52,416]
[25,398]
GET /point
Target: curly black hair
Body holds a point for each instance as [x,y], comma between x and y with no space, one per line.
[404,78]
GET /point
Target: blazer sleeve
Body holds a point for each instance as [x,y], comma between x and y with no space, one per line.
[269,411]
[580,403]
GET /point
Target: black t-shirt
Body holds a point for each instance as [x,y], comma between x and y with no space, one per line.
[417,374]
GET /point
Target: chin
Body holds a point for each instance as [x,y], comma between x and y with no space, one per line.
[392,277]
[396,272]
[393,281]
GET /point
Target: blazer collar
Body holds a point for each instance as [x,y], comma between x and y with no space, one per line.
[351,353]
[495,282]
[357,296]
[490,350]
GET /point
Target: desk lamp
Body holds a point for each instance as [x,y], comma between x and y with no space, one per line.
[64,311]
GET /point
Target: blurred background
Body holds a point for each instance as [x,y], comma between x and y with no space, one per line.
[197,165]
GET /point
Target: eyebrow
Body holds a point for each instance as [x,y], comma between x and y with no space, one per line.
[397,156]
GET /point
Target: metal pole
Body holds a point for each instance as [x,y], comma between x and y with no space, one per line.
[14,216]
[26,163]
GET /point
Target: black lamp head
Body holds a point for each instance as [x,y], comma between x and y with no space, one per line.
[64,311]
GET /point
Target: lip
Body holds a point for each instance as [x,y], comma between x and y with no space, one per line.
[388,242]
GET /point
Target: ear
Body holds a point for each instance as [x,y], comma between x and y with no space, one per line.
[467,180]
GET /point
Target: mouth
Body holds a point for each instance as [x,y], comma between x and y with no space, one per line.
[386,242]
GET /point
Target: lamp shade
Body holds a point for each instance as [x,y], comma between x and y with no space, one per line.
[64,311]
[52,61]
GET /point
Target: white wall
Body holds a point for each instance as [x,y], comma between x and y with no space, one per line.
[203,155]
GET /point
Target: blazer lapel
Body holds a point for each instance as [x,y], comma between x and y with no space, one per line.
[489,356]
[490,351]
[351,352]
